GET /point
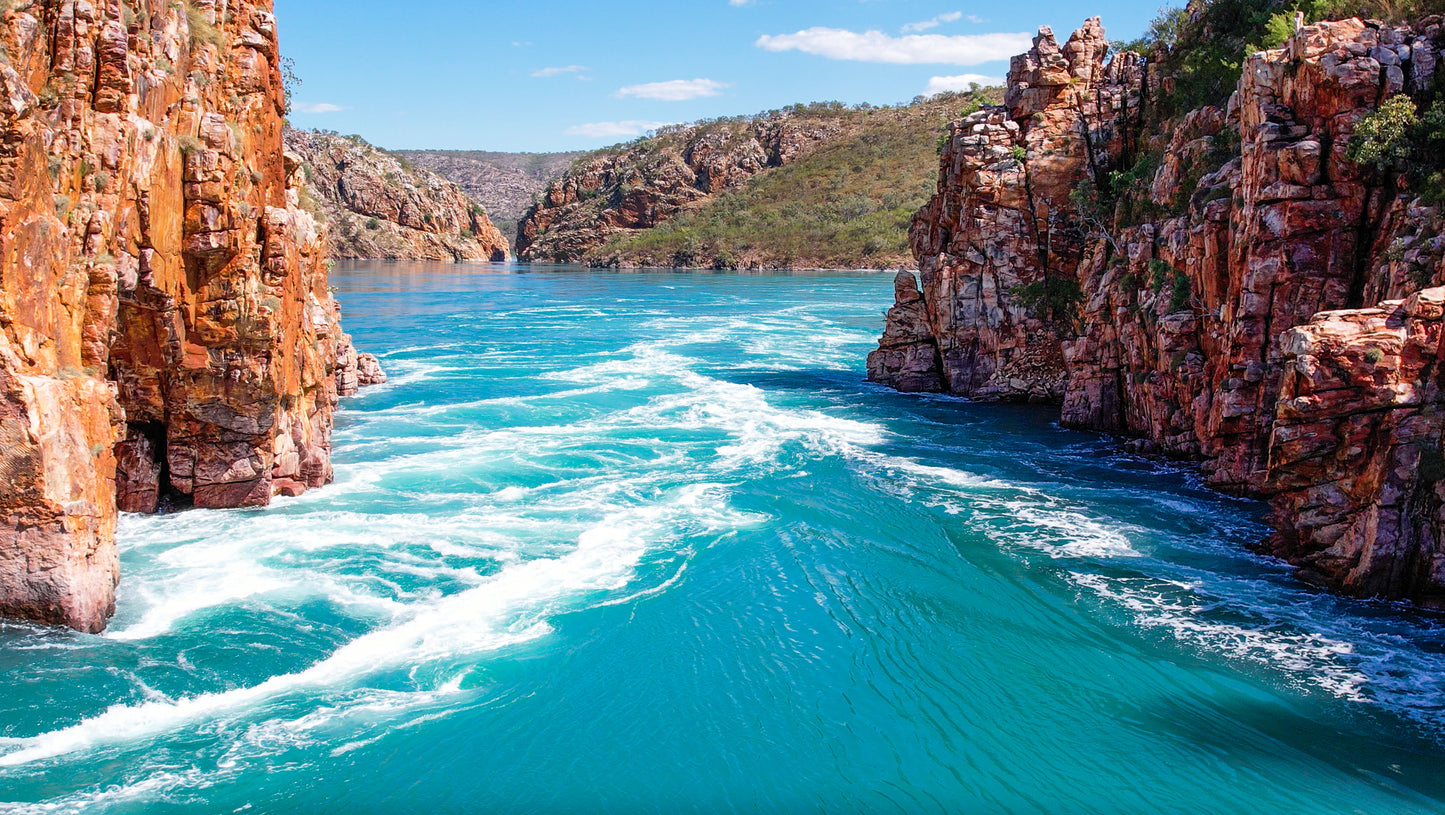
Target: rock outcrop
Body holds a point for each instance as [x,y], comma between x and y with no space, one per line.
[166,332]
[378,206]
[647,182]
[998,225]
[812,186]
[1217,309]
[505,184]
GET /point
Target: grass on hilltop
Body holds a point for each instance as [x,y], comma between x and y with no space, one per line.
[846,205]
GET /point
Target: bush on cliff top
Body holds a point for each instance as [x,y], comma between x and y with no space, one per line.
[1203,47]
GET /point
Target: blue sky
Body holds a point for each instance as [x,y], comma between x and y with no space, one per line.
[552,75]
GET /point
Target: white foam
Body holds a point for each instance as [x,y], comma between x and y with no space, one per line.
[1308,657]
[508,609]
[155,787]
[1027,516]
[220,574]
[784,340]
[1067,533]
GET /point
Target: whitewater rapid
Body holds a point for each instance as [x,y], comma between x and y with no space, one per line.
[534,466]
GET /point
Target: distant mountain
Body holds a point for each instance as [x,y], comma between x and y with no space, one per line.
[504,183]
[378,205]
[820,185]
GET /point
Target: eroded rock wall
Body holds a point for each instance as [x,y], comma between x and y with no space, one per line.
[648,182]
[377,206]
[166,332]
[1002,221]
[1227,312]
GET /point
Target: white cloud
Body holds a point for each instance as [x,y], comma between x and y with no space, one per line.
[915,49]
[974,18]
[676,90]
[950,17]
[318,107]
[944,84]
[613,130]
[559,71]
[740,2]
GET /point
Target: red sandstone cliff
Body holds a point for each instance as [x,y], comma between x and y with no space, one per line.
[1218,314]
[647,182]
[166,333]
[376,205]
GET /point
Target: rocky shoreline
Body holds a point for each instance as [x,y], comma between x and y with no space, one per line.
[167,335]
[1226,313]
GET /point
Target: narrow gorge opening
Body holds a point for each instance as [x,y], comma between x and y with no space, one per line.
[143,477]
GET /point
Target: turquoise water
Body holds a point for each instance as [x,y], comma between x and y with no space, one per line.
[629,543]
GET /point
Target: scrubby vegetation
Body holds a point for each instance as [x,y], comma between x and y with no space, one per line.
[1397,141]
[201,29]
[1203,47]
[1052,298]
[1202,50]
[848,204]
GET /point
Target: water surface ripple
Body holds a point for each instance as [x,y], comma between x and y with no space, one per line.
[629,543]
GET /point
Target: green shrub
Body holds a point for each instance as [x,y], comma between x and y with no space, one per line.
[1165,276]
[1277,31]
[1374,356]
[1395,141]
[1181,293]
[1384,139]
[1160,274]
[202,31]
[1051,298]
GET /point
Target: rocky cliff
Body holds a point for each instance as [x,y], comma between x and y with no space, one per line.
[1230,284]
[166,332]
[821,185]
[503,183]
[378,205]
[648,182]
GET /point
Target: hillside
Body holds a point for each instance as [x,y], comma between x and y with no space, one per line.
[820,185]
[504,183]
[377,205]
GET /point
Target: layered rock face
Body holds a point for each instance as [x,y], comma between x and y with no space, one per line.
[648,182]
[1223,314]
[166,333]
[503,183]
[376,206]
[1001,221]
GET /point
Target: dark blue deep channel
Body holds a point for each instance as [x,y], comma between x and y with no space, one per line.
[648,543]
